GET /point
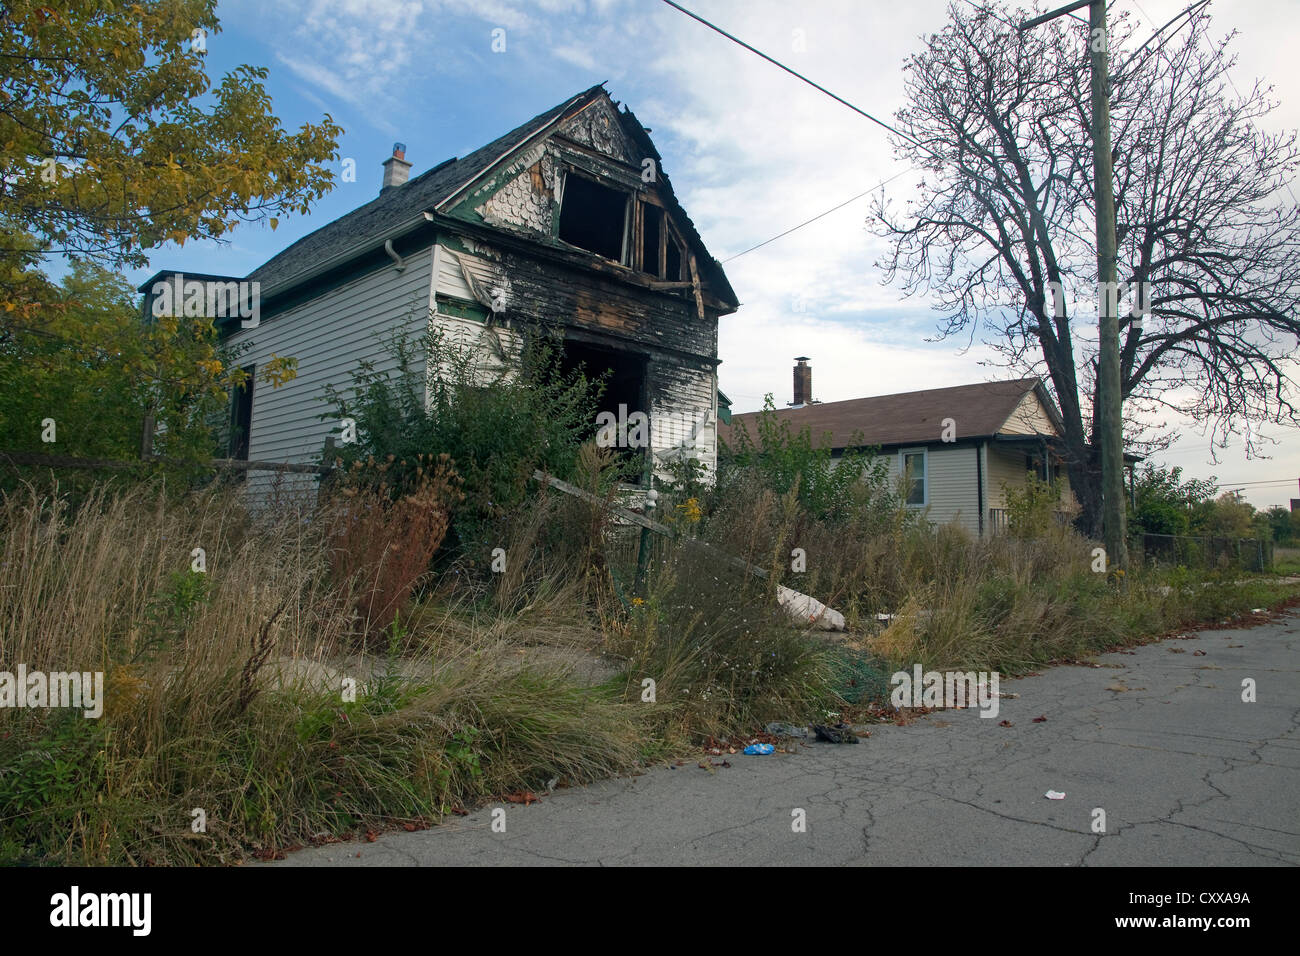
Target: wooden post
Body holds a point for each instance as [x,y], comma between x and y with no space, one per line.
[1108,385]
[146,437]
[643,551]
[1110,423]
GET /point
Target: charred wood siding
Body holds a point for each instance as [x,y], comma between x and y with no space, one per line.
[590,306]
[549,293]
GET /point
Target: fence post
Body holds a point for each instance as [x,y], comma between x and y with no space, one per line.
[643,551]
[146,436]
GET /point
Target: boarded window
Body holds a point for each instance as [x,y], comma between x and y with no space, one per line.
[593,217]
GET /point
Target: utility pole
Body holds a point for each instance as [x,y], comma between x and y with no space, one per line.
[1110,435]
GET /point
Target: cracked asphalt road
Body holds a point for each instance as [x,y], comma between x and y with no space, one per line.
[1186,772]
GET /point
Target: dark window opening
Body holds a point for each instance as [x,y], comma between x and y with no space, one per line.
[673,265]
[624,378]
[241,417]
[593,217]
[652,218]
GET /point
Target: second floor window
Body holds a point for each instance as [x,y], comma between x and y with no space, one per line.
[594,217]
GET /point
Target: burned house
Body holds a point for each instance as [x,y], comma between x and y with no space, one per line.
[567,223]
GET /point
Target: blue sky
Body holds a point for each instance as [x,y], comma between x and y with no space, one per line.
[750,150]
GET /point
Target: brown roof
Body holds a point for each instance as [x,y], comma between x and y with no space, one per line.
[977,411]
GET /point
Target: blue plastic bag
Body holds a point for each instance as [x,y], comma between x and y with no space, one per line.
[759,749]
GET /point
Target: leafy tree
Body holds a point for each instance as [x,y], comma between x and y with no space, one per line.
[113,139]
[1003,237]
[1230,517]
[1279,524]
[97,386]
[1164,503]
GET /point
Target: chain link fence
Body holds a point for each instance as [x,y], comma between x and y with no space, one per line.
[1246,554]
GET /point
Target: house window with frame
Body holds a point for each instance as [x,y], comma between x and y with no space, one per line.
[594,217]
[913,463]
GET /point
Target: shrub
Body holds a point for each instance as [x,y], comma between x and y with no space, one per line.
[383,545]
[496,424]
[1031,508]
[787,461]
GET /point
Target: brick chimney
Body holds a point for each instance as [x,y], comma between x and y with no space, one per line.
[396,168]
[802,382]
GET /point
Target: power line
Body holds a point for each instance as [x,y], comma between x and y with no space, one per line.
[820,215]
[1275,481]
[1184,13]
[794,73]
[822,89]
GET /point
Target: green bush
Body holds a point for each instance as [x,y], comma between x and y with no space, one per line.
[1031,508]
[497,424]
[787,461]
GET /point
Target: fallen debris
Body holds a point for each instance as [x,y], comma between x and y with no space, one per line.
[1054,795]
[809,609]
[759,750]
[837,734]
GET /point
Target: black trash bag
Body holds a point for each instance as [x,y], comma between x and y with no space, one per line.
[838,734]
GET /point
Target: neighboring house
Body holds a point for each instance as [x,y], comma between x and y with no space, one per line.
[566,224]
[960,446]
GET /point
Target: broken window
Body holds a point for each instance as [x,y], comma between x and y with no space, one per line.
[241,418]
[593,217]
[651,223]
[673,255]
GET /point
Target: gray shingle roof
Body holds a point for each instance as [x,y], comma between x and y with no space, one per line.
[403,204]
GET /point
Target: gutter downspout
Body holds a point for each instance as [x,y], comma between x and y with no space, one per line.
[392,254]
[979,484]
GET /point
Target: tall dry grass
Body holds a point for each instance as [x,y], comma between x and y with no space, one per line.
[225,690]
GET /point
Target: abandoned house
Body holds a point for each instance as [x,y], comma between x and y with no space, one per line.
[960,448]
[567,223]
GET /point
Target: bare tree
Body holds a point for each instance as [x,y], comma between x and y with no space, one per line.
[1002,232]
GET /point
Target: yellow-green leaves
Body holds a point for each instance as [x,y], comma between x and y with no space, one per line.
[144,146]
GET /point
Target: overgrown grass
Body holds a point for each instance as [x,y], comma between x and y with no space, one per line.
[225,693]
[1286,560]
[227,687]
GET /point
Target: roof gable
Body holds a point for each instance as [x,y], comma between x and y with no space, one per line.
[391,209]
[505,184]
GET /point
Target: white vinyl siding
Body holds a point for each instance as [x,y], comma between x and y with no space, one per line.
[328,336]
